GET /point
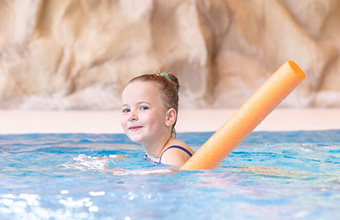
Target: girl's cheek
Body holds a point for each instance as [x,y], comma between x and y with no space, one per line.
[123,121]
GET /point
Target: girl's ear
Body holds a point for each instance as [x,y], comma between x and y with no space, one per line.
[171,116]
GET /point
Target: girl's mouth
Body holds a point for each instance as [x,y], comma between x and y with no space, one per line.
[135,128]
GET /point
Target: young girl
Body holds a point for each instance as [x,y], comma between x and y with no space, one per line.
[149,115]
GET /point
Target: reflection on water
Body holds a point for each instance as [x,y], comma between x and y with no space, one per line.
[271,175]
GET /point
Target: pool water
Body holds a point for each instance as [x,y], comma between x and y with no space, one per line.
[271,175]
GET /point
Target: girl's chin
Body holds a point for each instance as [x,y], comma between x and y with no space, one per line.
[136,139]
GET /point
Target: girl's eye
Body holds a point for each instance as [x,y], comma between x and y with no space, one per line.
[144,108]
[125,110]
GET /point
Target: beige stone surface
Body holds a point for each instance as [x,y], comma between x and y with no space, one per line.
[76,55]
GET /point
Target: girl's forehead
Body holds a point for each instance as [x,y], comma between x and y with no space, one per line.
[141,86]
[141,91]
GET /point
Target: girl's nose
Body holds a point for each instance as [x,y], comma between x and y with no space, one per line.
[133,117]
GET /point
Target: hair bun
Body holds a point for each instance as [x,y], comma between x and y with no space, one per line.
[173,79]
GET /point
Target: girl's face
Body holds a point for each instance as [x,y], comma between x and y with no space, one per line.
[143,113]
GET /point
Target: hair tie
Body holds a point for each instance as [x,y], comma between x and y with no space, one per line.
[162,74]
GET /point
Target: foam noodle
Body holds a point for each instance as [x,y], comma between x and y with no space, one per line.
[251,113]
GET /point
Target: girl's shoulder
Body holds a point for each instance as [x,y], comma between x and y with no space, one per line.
[176,152]
[173,143]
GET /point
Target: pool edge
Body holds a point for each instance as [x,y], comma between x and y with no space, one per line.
[189,120]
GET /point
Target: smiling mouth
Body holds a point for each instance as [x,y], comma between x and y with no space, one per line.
[135,128]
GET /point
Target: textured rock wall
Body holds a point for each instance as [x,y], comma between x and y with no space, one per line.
[60,55]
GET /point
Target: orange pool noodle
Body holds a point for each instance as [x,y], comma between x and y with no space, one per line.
[246,118]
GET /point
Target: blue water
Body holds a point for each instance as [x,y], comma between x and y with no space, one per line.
[271,175]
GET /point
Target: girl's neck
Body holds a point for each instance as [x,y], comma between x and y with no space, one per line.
[155,149]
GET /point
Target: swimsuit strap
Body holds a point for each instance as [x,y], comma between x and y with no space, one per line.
[178,147]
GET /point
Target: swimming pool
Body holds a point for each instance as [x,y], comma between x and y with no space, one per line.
[271,175]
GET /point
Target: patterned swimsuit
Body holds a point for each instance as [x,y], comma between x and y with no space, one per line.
[159,160]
